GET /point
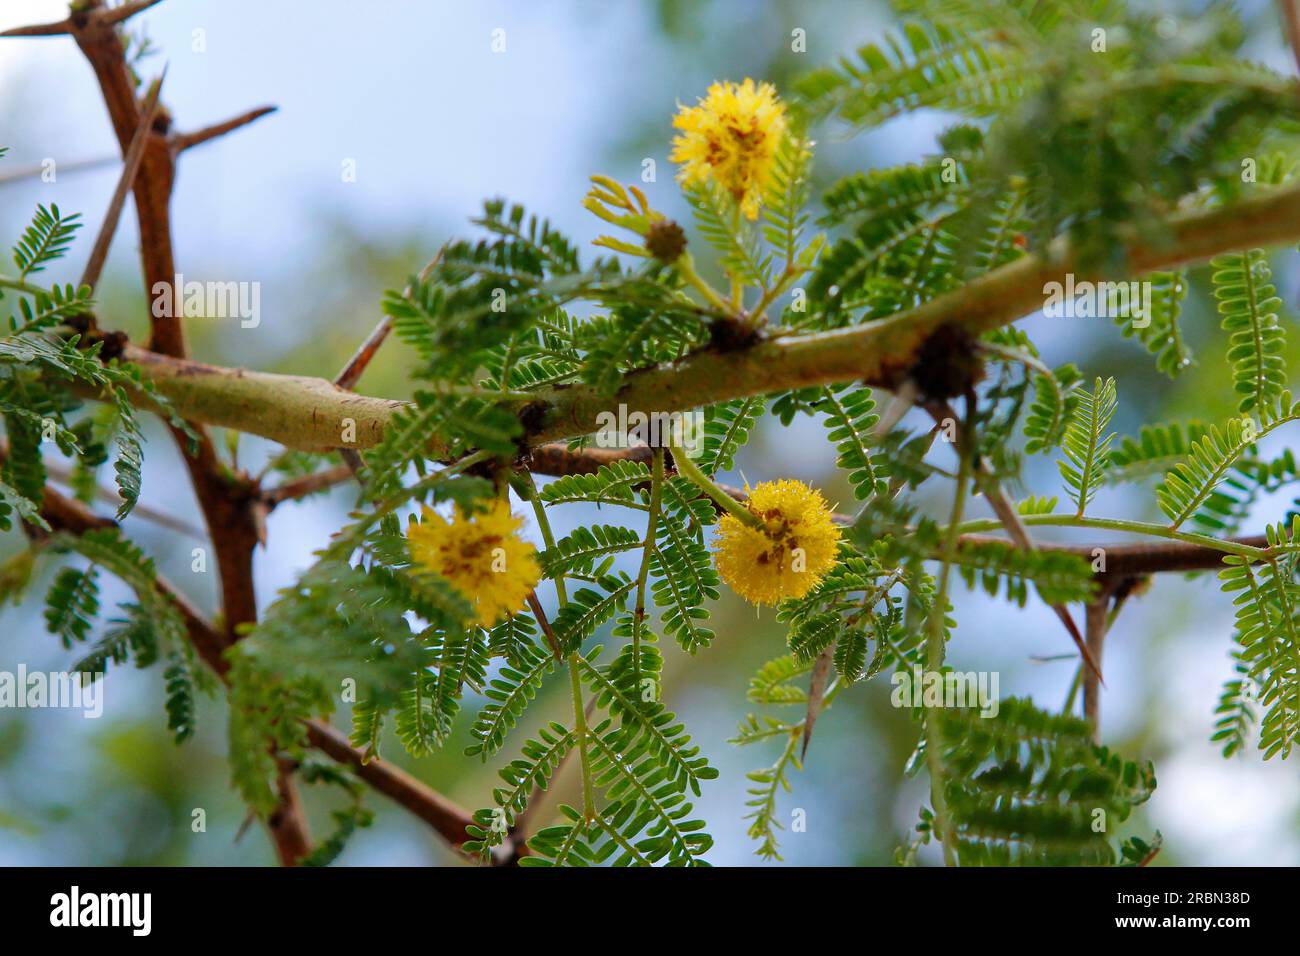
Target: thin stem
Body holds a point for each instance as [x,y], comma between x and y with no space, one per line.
[691,472]
[1120,524]
[548,536]
[1073,693]
[1096,624]
[686,269]
[18,285]
[580,732]
[782,283]
[737,284]
[130,169]
[638,617]
[934,662]
[582,735]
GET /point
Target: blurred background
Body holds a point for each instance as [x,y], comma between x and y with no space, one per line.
[412,97]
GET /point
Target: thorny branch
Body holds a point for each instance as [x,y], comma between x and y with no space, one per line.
[226,497]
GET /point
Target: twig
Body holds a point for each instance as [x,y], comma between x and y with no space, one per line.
[360,361]
[182,141]
[130,168]
[899,405]
[536,607]
[296,488]
[105,494]
[1291,22]
[357,365]
[114,15]
[1096,623]
[816,692]
[445,817]
[74,166]
[1010,518]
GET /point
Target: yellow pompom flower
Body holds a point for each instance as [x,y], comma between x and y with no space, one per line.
[789,555]
[481,555]
[731,137]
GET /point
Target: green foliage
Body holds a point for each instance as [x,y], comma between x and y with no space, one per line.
[899,245]
[151,628]
[785,203]
[477,293]
[1159,331]
[1056,399]
[72,604]
[1000,567]
[45,310]
[1191,484]
[645,725]
[180,694]
[462,423]
[726,430]
[1235,715]
[509,693]
[927,66]
[728,233]
[46,239]
[646,821]
[589,608]
[1156,449]
[682,577]
[579,551]
[615,483]
[1086,445]
[1026,787]
[1256,342]
[1265,598]
[850,417]
[265,725]
[524,776]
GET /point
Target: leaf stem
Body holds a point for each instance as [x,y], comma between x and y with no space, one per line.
[18,285]
[638,616]
[582,734]
[686,269]
[934,662]
[690,471]
[1120,524]
[548,536]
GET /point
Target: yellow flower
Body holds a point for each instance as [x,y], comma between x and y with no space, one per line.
[731,137]
[481,555]
[790,555]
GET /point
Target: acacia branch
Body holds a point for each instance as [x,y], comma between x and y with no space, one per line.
[302,412]
[231,508]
